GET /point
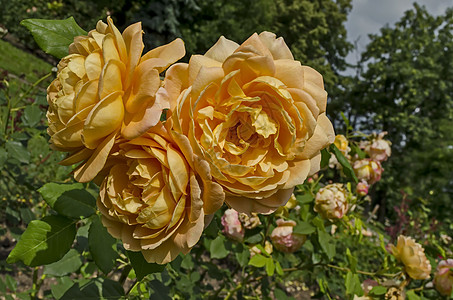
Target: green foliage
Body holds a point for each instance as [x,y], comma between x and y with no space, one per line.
[69,200]
[54,36]
[87,13]
[338,255]
[102,246]
[21,63]
[45,241]
[69,264]
[314,30]
[406,89]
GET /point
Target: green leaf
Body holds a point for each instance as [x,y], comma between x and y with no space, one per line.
[378,291]
[32,115]
[63,284]
[44,241]
[3,285]
[17,151]
[278,268]
[160,290]
[356,149]
[411,295]
[345,120]
[141,266]
[70,263]
[69,200]
[270,266]
[27,215]
[327,244]
[54,36]
[187,262]
[3,157]
[218,249]
[347,169]
[97,288]
[352,260]
[352,283]
[254,239]
[51,191]
[258,261]
[11,283]
[304,199]
[281,295]
[102,246]
[304,228]
[325,158]
[242,255]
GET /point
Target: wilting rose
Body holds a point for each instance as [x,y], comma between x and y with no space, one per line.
[379,149]
[232,227]
[368,170]
[412,255]
[249,221]
[362,188]
[394,293]
[156,195]
[331,201]
[106,88]
[256,115]
[443,278]
[284,239]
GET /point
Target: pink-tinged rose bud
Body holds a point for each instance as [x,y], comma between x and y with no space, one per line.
[284,239]
[368,170]
[232,227]
[443,278]
[331,201]
[412,255]
[362,188]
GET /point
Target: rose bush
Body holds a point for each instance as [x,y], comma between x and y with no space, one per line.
[104,89]
[157,194]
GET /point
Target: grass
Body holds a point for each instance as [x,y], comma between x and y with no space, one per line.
[20,63]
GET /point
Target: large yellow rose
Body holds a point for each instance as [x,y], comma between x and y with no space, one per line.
[157,194]
[412,255]
[104,88]
[256,115]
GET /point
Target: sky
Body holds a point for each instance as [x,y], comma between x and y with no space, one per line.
[368,16]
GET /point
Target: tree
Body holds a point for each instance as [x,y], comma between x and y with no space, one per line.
[406,90]
[314,30]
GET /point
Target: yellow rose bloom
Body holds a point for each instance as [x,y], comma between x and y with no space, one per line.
[412,255]
[106,88]
[256,115]
[342,144]
[156,195]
